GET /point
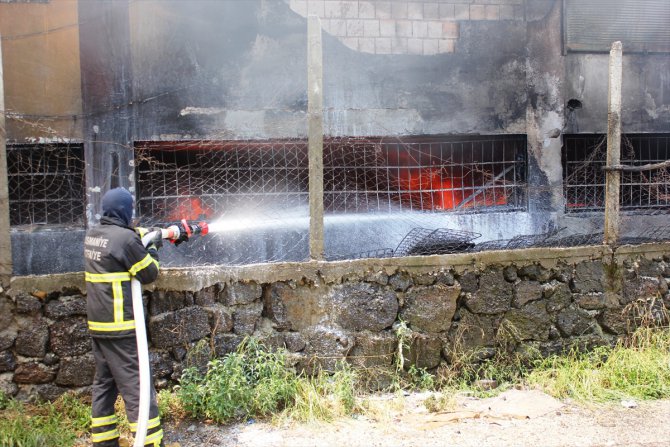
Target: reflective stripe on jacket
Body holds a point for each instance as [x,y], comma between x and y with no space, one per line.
[113,254]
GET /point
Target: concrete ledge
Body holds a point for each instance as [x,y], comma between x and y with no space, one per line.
[197,278]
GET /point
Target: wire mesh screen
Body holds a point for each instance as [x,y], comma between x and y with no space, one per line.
[46,184]
[202,180]
[425,174]
[584,177]
[206,180]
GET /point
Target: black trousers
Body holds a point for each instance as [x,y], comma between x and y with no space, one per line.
[117,371]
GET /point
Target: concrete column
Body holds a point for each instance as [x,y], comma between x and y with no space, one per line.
[315,136]
[5,239]
[613,175]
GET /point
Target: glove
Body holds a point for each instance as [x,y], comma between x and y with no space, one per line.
[183,235]
[157,240]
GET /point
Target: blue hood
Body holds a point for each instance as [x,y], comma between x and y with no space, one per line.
[118,203]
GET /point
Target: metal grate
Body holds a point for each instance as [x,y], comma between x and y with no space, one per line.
[641,25]
[46,184]
[426,174]
[422,241]
[203,179]
[584,156]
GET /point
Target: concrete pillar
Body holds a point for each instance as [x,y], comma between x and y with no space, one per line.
[5,239]
[315,136]
[613,175]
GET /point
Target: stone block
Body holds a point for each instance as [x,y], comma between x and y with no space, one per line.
[574,321]
[7,361]
[241,293]
[399,10]
[597,301]
[371,28]
[326,346]
[34,373]
[494,295]
[33,341]
[447,11]
[373,349]
[424,351]
[462,12]
[336,27]
[76,371]
[434,30]
[557,295]
[7,340]
[294,308]
[69,337]
[349,9]
[362,306]
[28,304]
[527,291]
[245,318]
[450,30]
[477,12]
[531,322]
[220,319]
[430,309]
[419,29]
[534,272]
[294,341]
[162,301]
[226,343]
[174,328]
[415,11]
[355,28]
[316,7]
[366,45]
[403,28]
[473,331]
[424,280]
[207,296]
[387,29]
[617,321]
[640,288]
[648,267]
[383,10]
[7,309]
[415,46]
[492,12]
[431,11]
[469,282]
[66,306]
[161,364]
[589,277]
[366,10]
[48,392]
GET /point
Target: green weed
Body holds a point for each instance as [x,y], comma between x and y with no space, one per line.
[638,368]
[55,424]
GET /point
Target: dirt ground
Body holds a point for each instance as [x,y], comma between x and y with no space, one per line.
[513,418]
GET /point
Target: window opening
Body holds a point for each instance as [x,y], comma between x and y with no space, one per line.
[46,184]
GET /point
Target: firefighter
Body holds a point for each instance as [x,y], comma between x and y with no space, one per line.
[113,254]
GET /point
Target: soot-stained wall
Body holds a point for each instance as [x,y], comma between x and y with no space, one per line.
[175,70]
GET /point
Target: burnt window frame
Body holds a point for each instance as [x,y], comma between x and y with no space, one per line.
[367,176]
[632,183]
[27,196]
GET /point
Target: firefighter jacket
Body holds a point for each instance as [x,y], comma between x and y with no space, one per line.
[113,255]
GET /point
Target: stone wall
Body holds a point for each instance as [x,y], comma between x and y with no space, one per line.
[539,300]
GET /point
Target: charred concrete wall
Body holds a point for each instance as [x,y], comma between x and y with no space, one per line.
[199,70]
[534,301]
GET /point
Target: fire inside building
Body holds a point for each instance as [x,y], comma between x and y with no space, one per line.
[447,126]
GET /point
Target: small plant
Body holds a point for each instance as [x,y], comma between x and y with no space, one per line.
[638,368]
[54,424]
[436,403]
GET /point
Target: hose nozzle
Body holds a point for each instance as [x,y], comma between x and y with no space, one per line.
[183,231]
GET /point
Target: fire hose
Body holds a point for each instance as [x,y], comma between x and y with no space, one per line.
[176,234]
